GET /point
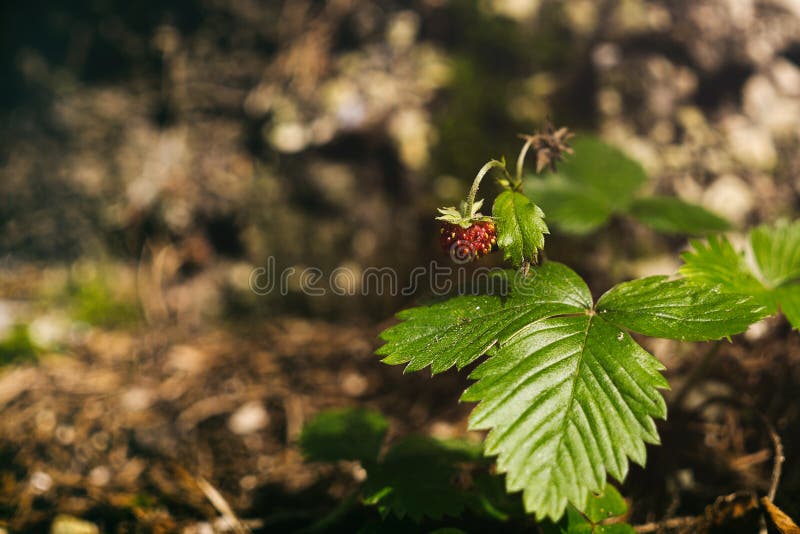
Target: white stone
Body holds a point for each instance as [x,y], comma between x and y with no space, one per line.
[41,482]
[99,476]
[730,197]
[249,418]
[137,399]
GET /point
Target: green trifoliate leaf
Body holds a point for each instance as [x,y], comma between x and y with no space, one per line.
[604,169]
[592,185]
[573,208]
[678,309]
[415,478]
[777,251]
[599,181]
[520,227]
[717,263]
[567,400]
[460,330]
[673,215]
[347,434]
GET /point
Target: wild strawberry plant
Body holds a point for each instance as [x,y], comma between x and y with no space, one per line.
[566,394]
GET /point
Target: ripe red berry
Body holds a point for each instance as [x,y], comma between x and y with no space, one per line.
[467,244]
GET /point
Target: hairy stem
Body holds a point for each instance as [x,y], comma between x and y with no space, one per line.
[477,182]
[521,158]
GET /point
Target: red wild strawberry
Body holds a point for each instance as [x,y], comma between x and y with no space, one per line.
[467,244]
[465,233]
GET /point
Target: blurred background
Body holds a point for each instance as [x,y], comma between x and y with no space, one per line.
[152,154]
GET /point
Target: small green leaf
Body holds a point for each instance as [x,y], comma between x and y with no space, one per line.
[673,215]
[460,330]
[567,399]
[415,479]
[678,309]
[601,516]
[606,505]
[346,434]
[777,251]
[520,227]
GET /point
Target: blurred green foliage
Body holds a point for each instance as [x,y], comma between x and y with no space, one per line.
[17,346]
[346,434]
[598,182]
[417,477]
[490,59]
[95,303]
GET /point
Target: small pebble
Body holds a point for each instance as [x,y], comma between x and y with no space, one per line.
[249,418]
[354,384]
[46,421]
[199,528]
[248,482]
[65,434]
[41,482]
[99,476]
[66,524]
[137,399]
[359,473]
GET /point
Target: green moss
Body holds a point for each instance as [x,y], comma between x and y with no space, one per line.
[94,303]
[17,346]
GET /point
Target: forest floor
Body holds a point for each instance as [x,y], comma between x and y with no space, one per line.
[149,427]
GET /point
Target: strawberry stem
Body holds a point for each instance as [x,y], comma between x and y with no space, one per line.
[522,153]
[477,182]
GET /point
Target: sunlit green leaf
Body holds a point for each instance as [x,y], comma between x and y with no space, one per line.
[789,298]
[678,309]
[777,251]
[459,330]
[566,400]
[520,227]
[716,263]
